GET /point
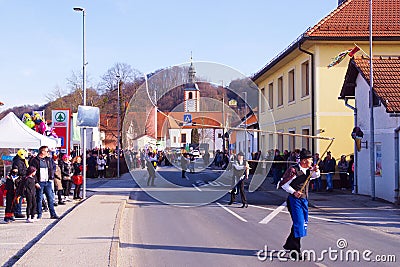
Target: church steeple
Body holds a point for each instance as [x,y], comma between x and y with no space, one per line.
[191,91]
[192,71]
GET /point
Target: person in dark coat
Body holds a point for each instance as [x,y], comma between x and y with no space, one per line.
[44,174]
[66,176]
[184,165]
[30,186]
[240,169]
[19,166]
[277,167]
[151,164]
[77,176]
[329,170]
[10,196]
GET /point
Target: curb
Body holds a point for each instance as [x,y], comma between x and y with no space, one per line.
[115,241]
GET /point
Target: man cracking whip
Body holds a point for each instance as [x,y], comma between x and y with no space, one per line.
[295,181]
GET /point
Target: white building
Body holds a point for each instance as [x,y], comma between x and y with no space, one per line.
[386,123]
[247,142]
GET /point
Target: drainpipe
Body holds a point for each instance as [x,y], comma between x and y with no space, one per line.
[312,97]
[355,146]
[396,165]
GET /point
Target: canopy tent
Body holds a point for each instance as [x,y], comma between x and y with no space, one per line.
[15,134]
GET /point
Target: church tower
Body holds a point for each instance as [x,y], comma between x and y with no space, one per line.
[191,91]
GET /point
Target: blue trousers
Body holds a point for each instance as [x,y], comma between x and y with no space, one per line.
[298,209]
[47,189]
[329,181]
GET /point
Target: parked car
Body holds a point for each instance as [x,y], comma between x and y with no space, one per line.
[196,153]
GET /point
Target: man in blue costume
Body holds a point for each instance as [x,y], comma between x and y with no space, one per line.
[295,181]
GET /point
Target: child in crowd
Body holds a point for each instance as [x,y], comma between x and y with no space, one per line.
[30,186]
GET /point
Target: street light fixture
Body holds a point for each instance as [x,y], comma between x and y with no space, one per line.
[81,9]
[118,124]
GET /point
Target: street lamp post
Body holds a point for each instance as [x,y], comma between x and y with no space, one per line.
[245,126]
[118,124]
[80,9]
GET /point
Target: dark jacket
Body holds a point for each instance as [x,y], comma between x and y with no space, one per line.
[29,186]
[66,169]
[77,168]
[35,162]
[20,165]
[329,165]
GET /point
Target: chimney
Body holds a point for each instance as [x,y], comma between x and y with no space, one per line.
[341,2]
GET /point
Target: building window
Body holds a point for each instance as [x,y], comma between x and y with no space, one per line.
[174,139]
[263,100]
[190,95]
[305,79]
[292,140]
[291,86]
[183,138]
[271,95]
[271,141]
[305,140]
[280,141]
[280,91]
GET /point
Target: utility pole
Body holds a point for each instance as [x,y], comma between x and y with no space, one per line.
[371,107]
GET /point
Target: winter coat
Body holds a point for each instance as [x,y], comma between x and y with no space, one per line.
[66,170]
[343,166]
[20,165]
[35,162]
[57,178]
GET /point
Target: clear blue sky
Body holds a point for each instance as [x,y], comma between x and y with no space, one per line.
[41,41]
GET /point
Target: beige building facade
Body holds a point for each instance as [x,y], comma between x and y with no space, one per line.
[301,92]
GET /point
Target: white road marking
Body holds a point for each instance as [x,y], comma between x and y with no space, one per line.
[231,212]
[273,214]
[198,189]
[309,216]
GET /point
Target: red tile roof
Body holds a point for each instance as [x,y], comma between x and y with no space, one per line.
[386,79]
[349,22]
[352,19]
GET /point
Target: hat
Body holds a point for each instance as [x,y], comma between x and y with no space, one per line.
[22,153]
[65,157]
[30,170]
[305,154]
[240,153]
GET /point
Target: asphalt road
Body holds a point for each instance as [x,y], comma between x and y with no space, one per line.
[191,232]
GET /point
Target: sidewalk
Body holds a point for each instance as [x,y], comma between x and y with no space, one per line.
[48,242]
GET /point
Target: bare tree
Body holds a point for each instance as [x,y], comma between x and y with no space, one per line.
[75,81]
[124,71]
[56,93]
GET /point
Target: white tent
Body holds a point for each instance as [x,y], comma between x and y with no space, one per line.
[15,134]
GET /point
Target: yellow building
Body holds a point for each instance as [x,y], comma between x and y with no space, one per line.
[300,90]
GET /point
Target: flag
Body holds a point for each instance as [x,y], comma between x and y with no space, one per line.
[342,55]
[339,58]
[353,51]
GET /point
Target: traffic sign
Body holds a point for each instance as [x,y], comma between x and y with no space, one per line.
[187,118]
